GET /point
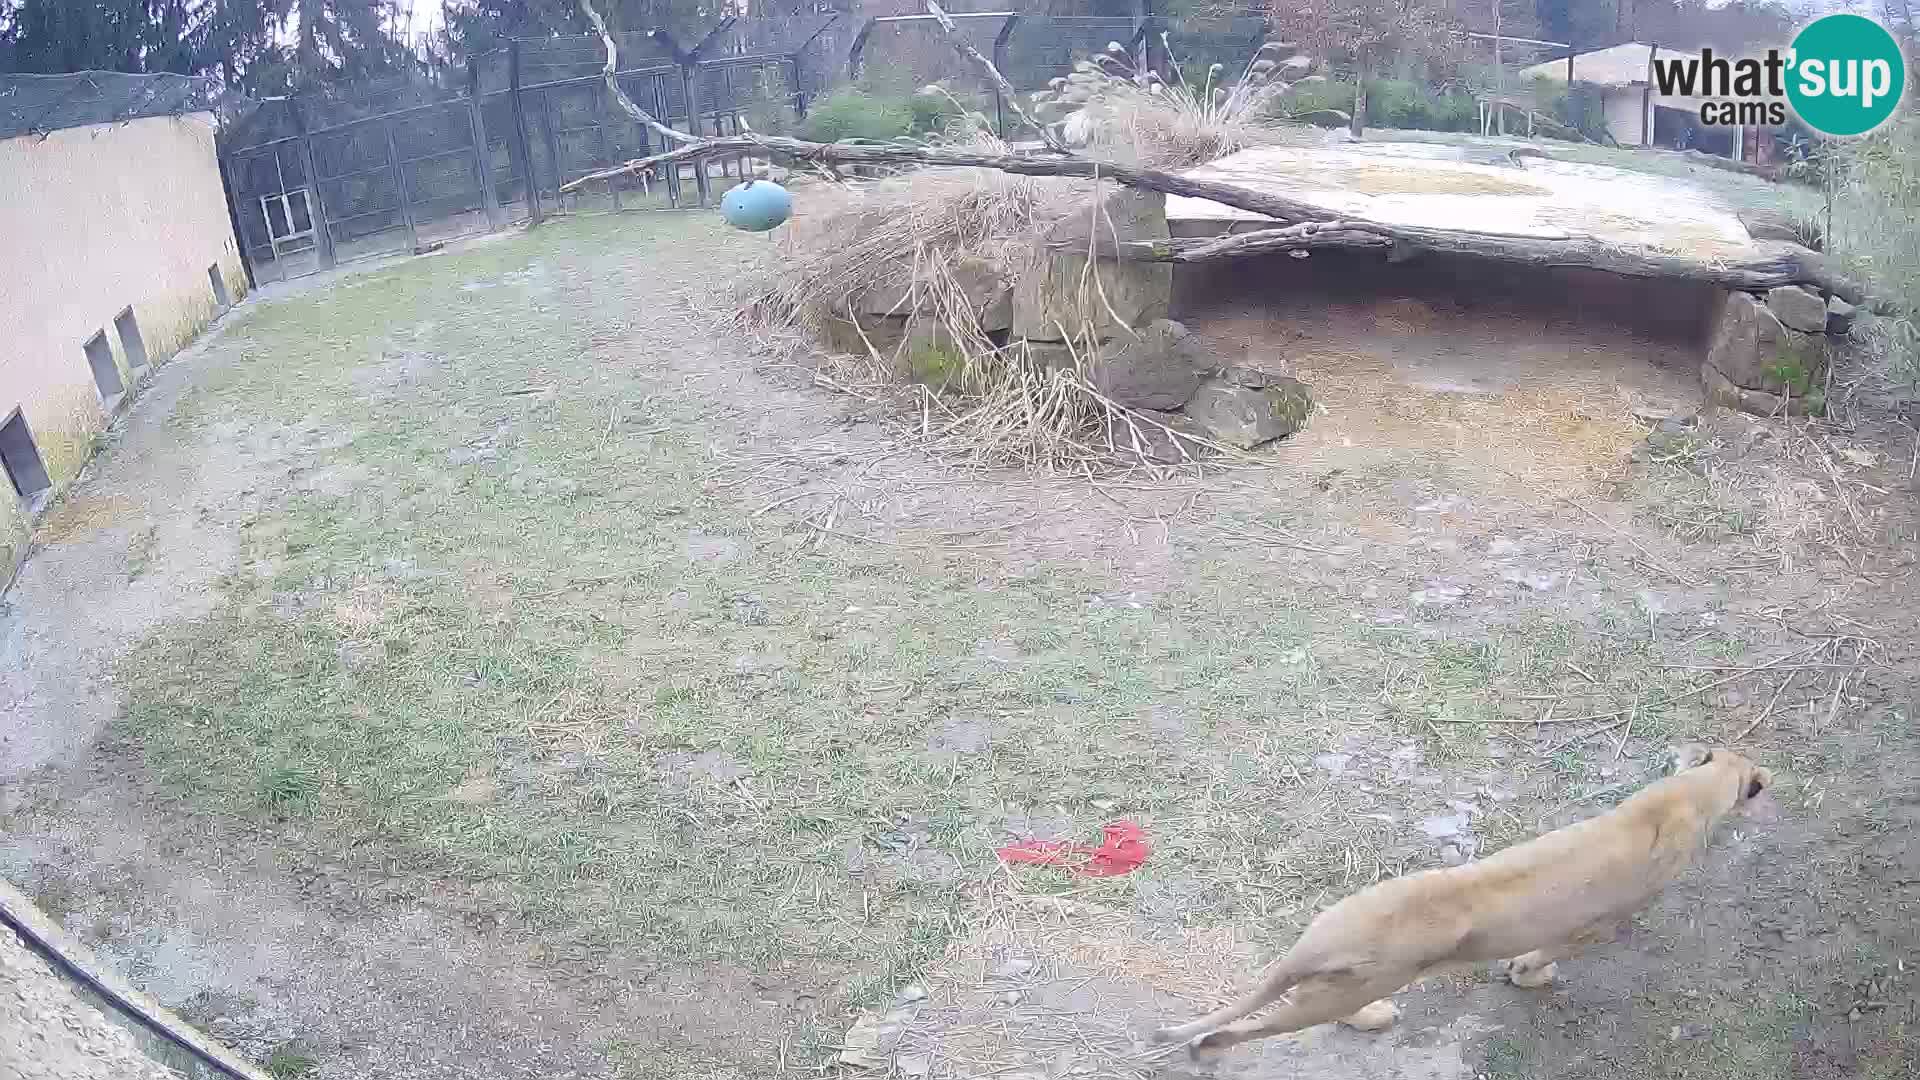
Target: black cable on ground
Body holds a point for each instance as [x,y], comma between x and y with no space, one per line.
[80,975]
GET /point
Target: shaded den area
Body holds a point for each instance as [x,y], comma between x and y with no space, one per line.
[1543,369]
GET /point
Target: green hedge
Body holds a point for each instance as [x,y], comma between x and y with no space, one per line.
[855,112]
[1394,103]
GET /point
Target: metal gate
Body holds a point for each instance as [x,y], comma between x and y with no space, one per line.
[535,115]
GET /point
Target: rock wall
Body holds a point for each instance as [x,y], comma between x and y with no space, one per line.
[1105,316]
[1110,315]
[1768,354]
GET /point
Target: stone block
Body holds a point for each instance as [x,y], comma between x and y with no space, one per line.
[1245,416]
[1160,437]
[1839,316]
[1721,392]
[1062,295]
[1158,369]
[1752,349]
[1770,225]
[1798,308]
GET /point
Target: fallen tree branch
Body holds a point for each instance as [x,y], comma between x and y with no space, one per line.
[1777,265]
[1299,226]
[620,96]
[1278,207]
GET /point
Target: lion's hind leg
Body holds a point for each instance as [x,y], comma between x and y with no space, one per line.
[1374,1016]
[1361,1002]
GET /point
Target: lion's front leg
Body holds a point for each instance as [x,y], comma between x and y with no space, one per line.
[1531,970]
[1537,969]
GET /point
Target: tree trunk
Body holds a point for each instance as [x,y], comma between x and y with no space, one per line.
[1500,77]
[1778,264]
[1359,121]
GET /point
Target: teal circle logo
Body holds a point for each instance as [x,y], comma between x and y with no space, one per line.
[1845,75]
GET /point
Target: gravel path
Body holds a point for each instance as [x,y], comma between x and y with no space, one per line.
[46,1031]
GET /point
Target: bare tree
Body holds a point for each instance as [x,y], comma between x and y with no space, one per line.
[1898,15]
[1370,33]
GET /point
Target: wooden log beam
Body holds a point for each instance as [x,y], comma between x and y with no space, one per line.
[1777,264]
[1278,207]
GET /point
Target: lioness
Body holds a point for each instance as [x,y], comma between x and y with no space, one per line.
[1535,902]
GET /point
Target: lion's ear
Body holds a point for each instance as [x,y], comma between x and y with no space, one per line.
[1761,780]
[1689,756]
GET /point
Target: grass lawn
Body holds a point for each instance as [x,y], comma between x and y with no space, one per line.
[552,628]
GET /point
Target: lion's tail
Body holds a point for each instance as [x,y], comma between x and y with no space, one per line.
[1278,979]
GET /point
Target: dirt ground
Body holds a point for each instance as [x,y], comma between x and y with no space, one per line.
[487,666]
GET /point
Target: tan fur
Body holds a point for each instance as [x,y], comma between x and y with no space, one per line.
[1527,906]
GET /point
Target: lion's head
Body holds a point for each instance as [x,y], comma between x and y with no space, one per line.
[1750,780]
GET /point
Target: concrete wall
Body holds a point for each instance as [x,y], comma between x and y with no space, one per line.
[95,219]
[1625,117]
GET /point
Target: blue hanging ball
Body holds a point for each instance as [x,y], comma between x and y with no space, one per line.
[756,206]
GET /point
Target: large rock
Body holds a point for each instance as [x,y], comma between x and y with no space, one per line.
[1799,308]
[1751,349]
[1773,225]
[901,293]
[1062,296]
[1839,315]
[894,293]
[1052,355]
[1161,437]
[1246,416]
[1158,369]
[883,332]
[1759,402]
[929,355]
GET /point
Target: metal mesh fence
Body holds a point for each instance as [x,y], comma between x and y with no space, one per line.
[1046,47]
[377,169]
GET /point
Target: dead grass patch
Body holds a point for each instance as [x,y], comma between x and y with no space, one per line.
[1394,180]
[1540,433]
[1038,978]
[1783,491]
[83,515]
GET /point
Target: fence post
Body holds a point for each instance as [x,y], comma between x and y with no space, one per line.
[317,206]
[606,154]
[1000,61]
[796,95]
[859,47]
[482,150]
[552,139]
[661,108]
[518,147]
[687,84]
[400,186]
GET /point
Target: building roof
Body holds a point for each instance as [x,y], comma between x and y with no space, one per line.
[1619,67]
[38,104]
[1615,65]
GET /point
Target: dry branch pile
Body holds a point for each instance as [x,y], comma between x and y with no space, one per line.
[929,252]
